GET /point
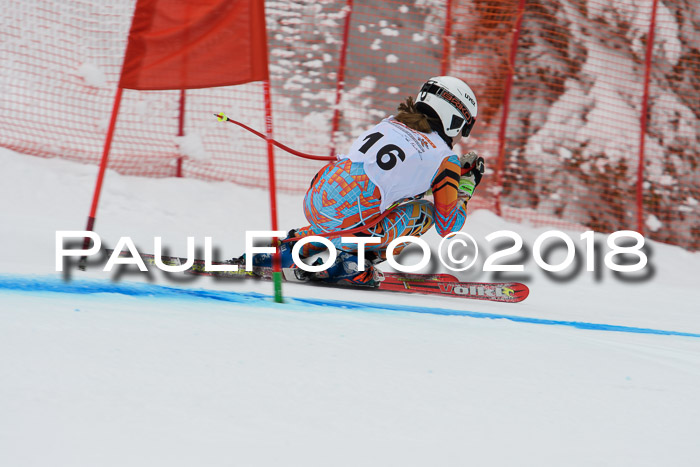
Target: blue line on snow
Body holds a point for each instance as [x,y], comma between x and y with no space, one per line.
[53,284]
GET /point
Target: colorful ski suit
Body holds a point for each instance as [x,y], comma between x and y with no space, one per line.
[386,169]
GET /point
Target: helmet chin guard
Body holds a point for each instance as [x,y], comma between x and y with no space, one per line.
[452,100]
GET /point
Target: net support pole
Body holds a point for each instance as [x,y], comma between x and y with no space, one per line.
[446,43]
[500,163]
[643,119]
[181,129]
[101,173]
[276,263]
[340,83]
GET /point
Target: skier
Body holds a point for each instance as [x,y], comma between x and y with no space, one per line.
[375,189]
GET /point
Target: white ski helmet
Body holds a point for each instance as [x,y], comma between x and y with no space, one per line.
[451,100]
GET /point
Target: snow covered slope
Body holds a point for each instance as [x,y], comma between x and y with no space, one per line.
[182,378]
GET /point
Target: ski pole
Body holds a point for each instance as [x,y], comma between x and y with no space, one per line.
[224,118]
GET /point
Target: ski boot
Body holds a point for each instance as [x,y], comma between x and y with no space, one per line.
[264,260]
[345,271]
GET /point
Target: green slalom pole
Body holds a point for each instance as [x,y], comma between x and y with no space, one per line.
[277,271]
[277,281]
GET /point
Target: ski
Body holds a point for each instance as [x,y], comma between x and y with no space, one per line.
[445,285]
[506,292]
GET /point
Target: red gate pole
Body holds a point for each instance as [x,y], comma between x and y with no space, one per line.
[446,39]
[643,119]
[101,174]
[181,129]
[276,263]
[340,83]
[500,164]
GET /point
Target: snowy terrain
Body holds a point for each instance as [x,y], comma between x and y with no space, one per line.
[152,370]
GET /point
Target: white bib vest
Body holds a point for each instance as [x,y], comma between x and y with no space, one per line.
[400,161]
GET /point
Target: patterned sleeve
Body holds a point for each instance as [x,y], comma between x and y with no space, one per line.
[450,211]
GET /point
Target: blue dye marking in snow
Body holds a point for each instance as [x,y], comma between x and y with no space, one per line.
[53,284]
[89,287]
